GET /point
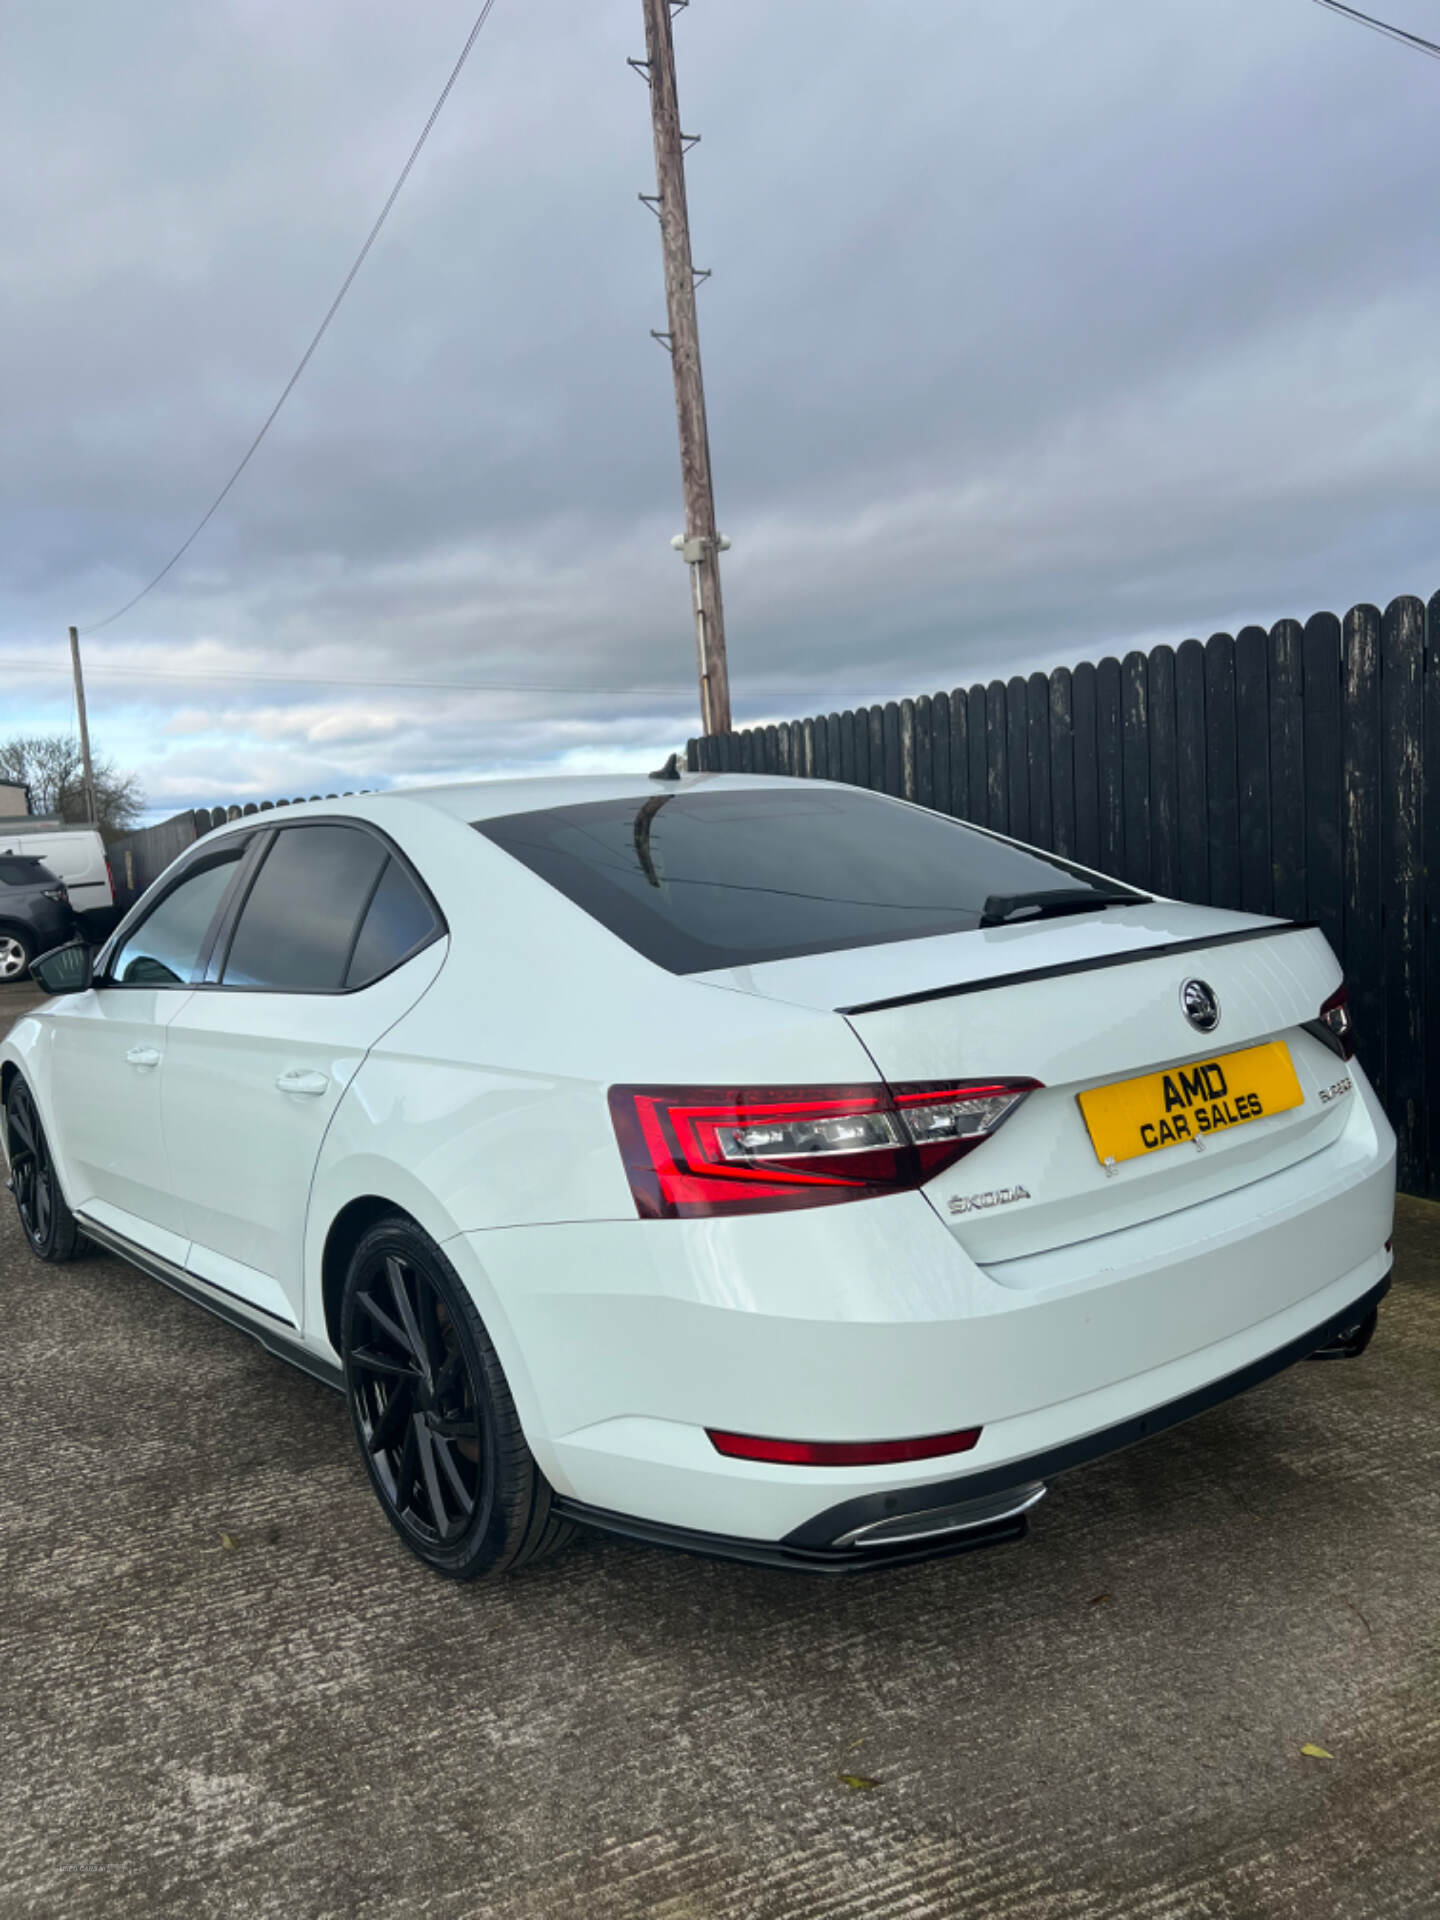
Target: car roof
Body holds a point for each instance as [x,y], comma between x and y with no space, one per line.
[491,799]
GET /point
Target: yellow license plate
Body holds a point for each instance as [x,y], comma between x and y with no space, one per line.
[1185,1104]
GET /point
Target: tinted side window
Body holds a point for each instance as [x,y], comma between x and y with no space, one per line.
[21,870]
[400,921]
[297,928]
[164,948]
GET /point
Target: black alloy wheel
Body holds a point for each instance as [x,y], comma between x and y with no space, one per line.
[48,1222]
[432,1412]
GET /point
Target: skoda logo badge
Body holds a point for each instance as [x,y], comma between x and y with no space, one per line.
[1199,1005]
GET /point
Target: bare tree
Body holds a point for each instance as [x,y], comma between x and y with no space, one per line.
[50,765]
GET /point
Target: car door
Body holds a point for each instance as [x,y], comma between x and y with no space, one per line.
[108,1049]
[332,940]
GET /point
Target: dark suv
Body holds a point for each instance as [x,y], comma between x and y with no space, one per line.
[35,914]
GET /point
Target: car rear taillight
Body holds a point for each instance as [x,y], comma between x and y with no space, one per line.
[696,1151]
[57,893]
[840,1453]
[110,878]
[1336,1024]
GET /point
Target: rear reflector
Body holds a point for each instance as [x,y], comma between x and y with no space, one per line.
[841,1453]
[695,1151]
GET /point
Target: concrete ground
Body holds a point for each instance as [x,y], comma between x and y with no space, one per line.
[226,1691]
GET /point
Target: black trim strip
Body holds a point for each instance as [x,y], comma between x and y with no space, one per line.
[807,1548]
[1135,955]
[780,1553]
[201,1293]
[869,1508]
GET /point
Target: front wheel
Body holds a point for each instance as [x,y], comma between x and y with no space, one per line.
[432,1412]
[49,1225]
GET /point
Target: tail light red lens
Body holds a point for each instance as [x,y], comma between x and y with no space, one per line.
[696,1151]
[1336,1024]
[840,1453]
[110,878]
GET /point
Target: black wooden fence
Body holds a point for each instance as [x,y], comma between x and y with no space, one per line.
[1280,772]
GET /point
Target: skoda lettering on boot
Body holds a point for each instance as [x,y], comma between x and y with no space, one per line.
[978,1202]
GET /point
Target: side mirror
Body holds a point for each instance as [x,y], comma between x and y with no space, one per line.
[64,969]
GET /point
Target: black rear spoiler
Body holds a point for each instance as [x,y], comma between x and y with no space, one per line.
[1165,949]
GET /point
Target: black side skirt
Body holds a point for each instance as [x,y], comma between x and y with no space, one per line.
[808,1547]
[217,1301]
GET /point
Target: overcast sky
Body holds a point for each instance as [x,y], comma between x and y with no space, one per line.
[1035,332]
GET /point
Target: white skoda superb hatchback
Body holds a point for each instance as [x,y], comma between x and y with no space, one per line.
[758,1165]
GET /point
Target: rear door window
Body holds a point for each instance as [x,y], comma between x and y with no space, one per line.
[718,878]
[297,928]
[21,870]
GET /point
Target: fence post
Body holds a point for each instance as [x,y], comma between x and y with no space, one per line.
[1220,771]
[1362,954]
[1402,642]
[1164,772]
[1135,768]
[1037,750]
[922,745]
[1287,770]
[1110,740]
[1252,764]
[1324,883]
[1062,761]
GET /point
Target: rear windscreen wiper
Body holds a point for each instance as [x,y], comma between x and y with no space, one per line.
[1044,905]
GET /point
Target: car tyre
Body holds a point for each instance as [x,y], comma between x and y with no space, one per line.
[48,1224]
[433,1415]
[16,953]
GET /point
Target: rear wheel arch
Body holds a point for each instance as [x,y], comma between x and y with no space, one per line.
[354,1219]
[9,1074]
[346,1231]
[433,1416]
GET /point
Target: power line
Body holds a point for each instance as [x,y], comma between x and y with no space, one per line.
[119,672]
[320,331]
[1380,26]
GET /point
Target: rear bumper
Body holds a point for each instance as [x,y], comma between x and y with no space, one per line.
[819,1545]
[624,1340]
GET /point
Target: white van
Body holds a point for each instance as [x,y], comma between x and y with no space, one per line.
[77,856]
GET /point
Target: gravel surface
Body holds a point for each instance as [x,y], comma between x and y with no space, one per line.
[226,1691]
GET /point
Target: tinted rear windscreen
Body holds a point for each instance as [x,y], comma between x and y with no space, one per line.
[726,879]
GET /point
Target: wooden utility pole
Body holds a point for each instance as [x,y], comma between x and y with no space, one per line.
[90,814]
[700,543]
